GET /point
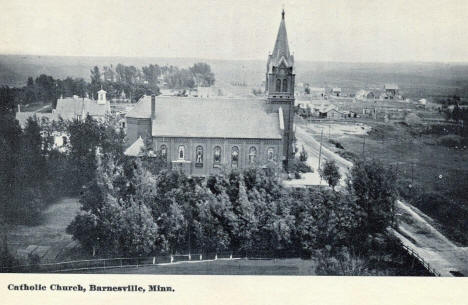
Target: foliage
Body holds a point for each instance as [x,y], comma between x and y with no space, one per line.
[301,167]
[450,140]
[303,155]
[336,143]
[330,173]
[375,190]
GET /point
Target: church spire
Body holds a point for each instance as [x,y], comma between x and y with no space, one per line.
[281,49]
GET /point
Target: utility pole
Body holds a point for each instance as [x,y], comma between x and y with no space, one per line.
[363,145]
[320,151]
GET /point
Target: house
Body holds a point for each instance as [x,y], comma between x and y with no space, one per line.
[69,109]
[204,136]
[204,92]
[329,112]
[391,90]
[317,92]
[365,95]
[79,108]
[336,91]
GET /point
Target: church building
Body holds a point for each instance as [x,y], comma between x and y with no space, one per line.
[203,136]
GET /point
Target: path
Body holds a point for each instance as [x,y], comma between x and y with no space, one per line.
[312,147]
[418,234]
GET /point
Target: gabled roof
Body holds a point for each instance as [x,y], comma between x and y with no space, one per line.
[81,106]
[391,87]
[209,118]
[135,150]
[281,48]
[23,117]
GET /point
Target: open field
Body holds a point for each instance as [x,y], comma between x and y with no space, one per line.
[293,266]
[416,157]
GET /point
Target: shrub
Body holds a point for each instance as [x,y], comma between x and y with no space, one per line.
[336,143]
[450,140]
[330,173]
[301,167]
[348,155]
[303,155]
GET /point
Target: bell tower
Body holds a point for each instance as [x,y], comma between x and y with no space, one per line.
[280,88]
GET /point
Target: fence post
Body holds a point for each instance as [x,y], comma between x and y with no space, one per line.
[230,256]
[216,256]
[189,257]
[172,259]
[201,257]
[154,260]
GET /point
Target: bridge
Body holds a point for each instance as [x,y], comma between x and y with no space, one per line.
[419,237]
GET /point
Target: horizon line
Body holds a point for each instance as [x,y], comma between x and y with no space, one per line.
[243,59]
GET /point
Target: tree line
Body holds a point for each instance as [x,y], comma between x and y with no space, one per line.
[133,82]
[131,209]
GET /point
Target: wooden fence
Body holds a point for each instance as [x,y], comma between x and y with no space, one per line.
[125,262]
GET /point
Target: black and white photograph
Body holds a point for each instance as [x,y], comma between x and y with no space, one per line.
[235,138]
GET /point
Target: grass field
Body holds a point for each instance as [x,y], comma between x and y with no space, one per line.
[293,266]
[48,240]
[415,157]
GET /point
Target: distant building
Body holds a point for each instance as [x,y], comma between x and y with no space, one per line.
[364,94]
[391,90]
[79,108]
[317,92]
[336,91]
[204,92]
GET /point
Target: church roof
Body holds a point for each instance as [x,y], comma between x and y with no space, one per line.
[209,118]
[281,49]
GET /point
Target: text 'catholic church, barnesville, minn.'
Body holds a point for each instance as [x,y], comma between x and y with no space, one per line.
[201,136]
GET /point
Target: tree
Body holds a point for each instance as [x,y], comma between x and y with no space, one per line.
[303,155]
[96,83]
[330,173]
[375,190]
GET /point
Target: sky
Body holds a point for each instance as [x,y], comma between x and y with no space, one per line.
[318,30]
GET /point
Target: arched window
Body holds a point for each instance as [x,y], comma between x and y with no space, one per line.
[181,152]
[235,157]
[271,154]
[216,156]
[199,156]
[252,154]
[278,85]
[163,150]
[285,85]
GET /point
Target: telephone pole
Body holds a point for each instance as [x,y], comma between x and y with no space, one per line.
[363,145]
[320,151]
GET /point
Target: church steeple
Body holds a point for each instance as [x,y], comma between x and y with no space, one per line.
[279,86]
[281,48]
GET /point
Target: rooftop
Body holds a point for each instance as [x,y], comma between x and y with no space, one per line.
[81,106]
[210,118]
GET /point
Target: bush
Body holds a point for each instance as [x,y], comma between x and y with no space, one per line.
[303,155]
[450,140]
[348,155]
[336,143]
[302,167]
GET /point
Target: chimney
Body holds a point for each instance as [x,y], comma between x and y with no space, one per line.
[153,106]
